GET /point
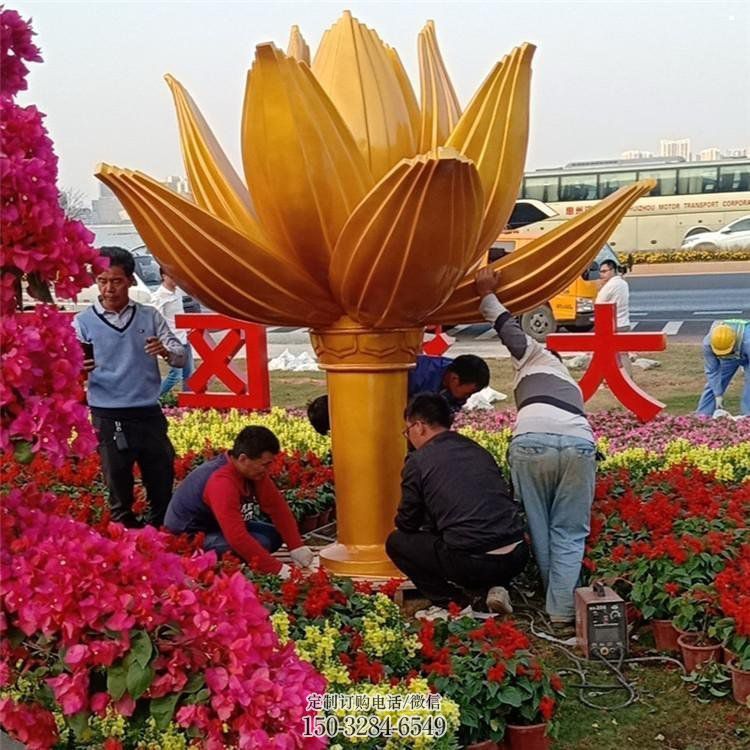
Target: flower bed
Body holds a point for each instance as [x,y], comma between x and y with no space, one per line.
[720,445]
[83,663]
[678,541]
[688,256]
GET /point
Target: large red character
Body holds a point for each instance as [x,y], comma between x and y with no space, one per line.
[605,343]
[249,390]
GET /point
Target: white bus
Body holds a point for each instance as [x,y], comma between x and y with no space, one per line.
[689,197]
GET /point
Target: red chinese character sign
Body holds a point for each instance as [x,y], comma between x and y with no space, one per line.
[248,390]
[606,343]
[438,344]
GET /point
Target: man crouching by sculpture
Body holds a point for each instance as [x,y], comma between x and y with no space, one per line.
[459,536]
[216,499]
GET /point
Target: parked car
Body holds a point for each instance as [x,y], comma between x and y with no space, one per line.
[734,236]
[147,269]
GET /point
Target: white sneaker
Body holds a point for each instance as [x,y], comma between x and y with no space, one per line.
[498,600]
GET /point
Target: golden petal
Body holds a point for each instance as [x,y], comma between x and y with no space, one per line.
[303,168]
[439,103]
[405,247]
[538,271]
[214,183]
[356,70]
[407,91]
[493,132]
[298,47]
[226,270]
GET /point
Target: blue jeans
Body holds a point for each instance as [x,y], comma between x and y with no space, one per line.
[727,368]
[264,533]
[553,476]
[175,373]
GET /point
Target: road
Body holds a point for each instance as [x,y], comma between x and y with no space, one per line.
[682,306]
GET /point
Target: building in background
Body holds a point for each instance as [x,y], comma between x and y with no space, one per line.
[709,154]
[106,209]
[636,154]
[679,147]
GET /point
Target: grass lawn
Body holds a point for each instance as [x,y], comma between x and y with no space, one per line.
[678,383]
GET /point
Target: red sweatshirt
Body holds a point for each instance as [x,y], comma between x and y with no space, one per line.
[225,493]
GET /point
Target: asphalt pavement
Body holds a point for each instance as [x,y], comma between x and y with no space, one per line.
[682,305]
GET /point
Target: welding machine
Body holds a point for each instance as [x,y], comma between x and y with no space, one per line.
[601,622]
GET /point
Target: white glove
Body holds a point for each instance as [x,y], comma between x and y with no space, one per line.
[303,556]
[721,413]
[719,402]
[285,573]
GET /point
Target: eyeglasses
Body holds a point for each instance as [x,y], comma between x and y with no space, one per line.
[405,432]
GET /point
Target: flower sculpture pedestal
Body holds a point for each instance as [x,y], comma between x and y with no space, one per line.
[367,379]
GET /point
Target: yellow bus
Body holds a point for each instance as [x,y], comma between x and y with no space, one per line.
[573,308]
[689,198]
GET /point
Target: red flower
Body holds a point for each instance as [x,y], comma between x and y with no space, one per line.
[547,707]
[556,682]
[497,672]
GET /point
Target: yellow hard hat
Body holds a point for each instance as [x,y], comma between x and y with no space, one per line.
[723,339]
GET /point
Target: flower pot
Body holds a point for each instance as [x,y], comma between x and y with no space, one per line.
[665,635]
[693,656]
[486,745]
[740,684]
[532,737]
[325,516]
[726,655]
[309,523]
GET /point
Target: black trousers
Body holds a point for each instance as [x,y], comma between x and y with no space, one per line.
[446,575]
[147,445]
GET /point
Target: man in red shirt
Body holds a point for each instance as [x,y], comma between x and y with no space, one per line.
[216,499]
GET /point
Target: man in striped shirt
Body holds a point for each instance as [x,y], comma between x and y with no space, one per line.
[552,454]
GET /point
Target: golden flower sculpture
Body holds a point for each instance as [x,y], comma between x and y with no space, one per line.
[365,215]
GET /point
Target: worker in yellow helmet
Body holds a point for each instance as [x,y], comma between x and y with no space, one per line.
[726,348]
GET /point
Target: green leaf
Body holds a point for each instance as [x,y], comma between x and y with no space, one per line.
[138,679]
[116,684]
[194,684]
[162,709]
[511,696]
[79,723]
[141,648]
[201,696]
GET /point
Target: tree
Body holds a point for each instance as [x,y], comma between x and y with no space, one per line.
[73,203]
[41,407]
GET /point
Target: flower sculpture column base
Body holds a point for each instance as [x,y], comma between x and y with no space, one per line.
[367,380]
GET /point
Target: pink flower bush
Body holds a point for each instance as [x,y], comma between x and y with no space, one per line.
[15,47]
[41,248]
[41,391]
[111,623]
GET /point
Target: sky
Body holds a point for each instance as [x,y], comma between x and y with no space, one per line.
[607,76]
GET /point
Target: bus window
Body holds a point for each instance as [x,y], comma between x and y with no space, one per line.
[578,187]
[666,181]
[611,181]
[697,180]
[541,188]
[734,178]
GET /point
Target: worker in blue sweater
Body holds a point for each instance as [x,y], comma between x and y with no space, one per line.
[122,341]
